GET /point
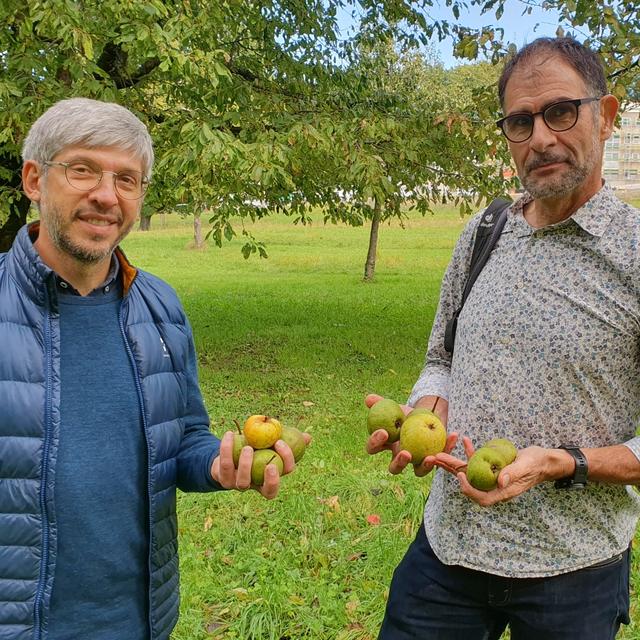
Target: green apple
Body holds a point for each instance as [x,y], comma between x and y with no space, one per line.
[422,434]
[484,467]
[294,438]
[388,415]
[239,441]
[262,458]
[505,447]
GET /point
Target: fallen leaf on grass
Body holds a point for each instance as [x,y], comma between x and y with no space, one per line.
[208,523]
[357,556]
[373,519]
[307,403]
[333,502]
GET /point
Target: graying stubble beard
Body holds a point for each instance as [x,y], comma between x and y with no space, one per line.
[572,180]
[63,242]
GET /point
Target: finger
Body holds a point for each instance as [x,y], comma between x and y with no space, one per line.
[483,498]
[377,441]
[226,469]
[450,463]
[307,438]
[469,449]
[371,399]
[425,467]
[243,473]
[452,440]
[399,462]
[284,451]
[271,482]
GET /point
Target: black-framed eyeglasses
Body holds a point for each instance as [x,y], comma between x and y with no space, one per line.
[559,116]
[130,185]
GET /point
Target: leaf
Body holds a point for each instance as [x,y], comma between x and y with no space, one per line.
[373,519]
[307,403]
[208,523]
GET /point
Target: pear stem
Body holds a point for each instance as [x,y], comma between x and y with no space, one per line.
[435,404]
[238,426]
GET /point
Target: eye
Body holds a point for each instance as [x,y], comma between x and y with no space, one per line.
[519,121]
[128,180]
[81,170]
[560,112]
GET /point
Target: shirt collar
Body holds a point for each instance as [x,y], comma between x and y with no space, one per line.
[594,216]
[111,281]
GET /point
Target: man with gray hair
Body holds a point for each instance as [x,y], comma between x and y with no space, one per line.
[546,355]
[102,417]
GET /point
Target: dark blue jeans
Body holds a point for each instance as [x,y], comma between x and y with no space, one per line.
[429,600]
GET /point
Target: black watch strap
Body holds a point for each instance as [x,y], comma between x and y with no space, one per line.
[579,478]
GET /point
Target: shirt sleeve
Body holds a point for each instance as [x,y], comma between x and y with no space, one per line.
[435,375]
[634,445]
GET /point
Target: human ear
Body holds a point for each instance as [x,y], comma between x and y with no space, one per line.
[32,177]
[608,110]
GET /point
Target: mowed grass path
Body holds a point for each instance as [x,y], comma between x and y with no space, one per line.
[302,337]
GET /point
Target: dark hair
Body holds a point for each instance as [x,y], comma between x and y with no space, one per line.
[585,61]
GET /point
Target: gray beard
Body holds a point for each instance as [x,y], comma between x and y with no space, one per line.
[554,187]
[61,240]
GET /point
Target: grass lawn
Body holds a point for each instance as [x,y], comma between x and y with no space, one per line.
[302,337]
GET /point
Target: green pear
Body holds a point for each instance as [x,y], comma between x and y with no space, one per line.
[388,415]
[239,441]
[294,438]
[261,458]
[484,467]
[422,434]
[505,447]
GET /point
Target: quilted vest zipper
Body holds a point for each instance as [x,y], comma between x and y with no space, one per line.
[136,377]
[44,560]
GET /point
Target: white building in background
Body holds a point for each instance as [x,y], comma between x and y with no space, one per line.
[622,152]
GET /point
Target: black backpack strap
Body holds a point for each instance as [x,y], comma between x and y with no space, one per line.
[487,234]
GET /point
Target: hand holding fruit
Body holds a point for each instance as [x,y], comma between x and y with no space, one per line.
[503,481]
[277,449]
[423,437]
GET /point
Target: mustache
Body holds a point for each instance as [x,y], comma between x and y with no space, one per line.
[542,159]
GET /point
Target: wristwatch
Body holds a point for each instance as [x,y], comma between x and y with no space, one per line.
[579,478]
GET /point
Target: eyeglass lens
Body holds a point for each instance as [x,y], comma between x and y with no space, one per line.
[129,184]
[558,117]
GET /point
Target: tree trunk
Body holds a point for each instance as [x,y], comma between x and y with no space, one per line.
[17,217]
[370,264]
[145,223]
[197,231]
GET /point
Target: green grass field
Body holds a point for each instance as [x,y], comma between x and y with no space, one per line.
[301,336]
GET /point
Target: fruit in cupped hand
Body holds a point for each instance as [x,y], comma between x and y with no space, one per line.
[262,458]
[388,415]
[239,441]
[294,438]
[505,447]
[261,431]
[484,467]
[422,434]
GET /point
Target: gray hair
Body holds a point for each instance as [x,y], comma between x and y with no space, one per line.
[88,123]
[586,62]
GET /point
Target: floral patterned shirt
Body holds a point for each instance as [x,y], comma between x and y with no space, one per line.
[547,352]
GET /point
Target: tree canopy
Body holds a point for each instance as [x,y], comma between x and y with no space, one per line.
[257,107]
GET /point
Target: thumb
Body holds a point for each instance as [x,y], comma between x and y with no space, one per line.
[371,399]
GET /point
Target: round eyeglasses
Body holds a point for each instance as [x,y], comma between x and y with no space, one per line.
[130,185]
[559,116]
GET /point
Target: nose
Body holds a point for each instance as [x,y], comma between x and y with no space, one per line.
[105,193]
[541,137]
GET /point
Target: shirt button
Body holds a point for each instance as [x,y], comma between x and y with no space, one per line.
[63,284]
[106,289]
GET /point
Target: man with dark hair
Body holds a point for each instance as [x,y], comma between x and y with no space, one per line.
[102,417]
[547,355]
